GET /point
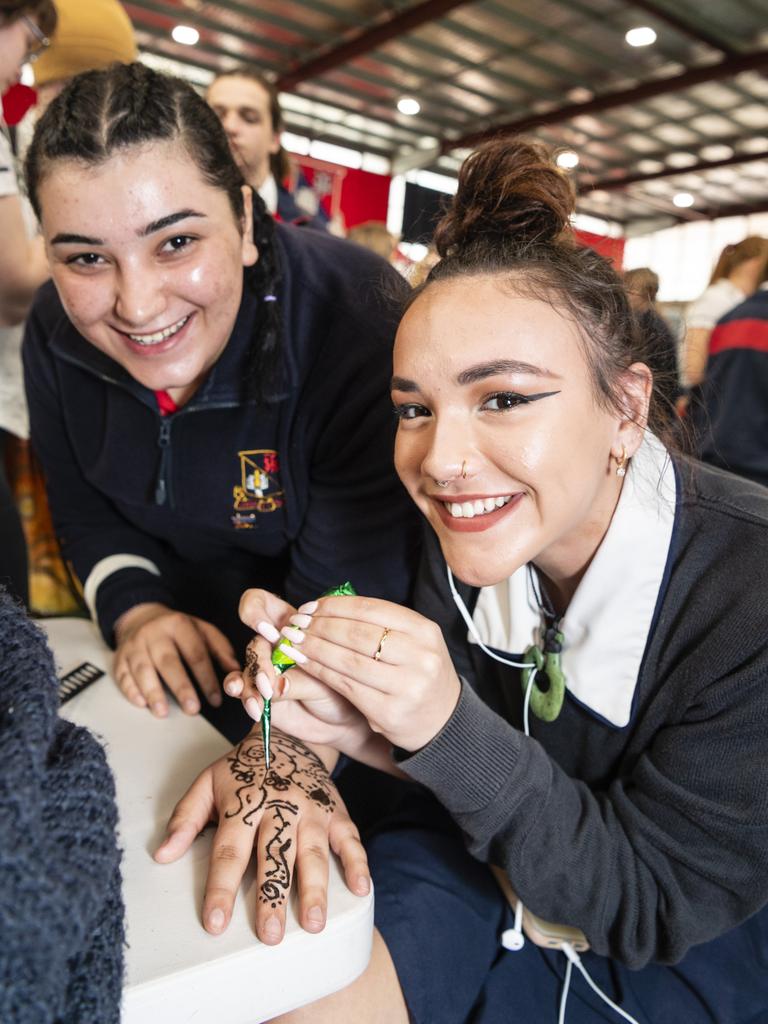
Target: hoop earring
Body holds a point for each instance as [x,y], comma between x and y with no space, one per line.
[621,462]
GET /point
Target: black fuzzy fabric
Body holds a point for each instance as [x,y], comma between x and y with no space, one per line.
[61,909]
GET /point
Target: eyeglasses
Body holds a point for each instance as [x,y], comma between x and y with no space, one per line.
[42,42]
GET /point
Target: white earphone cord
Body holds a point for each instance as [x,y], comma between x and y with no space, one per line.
[516,940]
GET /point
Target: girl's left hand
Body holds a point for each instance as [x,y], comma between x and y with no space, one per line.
[408,692]
[287,815]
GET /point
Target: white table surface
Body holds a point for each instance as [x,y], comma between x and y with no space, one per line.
[177,972]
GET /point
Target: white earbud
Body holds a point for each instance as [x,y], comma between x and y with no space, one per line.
[513,938]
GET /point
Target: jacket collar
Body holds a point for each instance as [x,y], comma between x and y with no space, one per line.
[609,619]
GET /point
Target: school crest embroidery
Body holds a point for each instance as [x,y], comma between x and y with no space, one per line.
[259,489]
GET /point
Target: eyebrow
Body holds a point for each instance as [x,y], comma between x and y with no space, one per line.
[481,371]
[166,222]
[66,238]
[497,367]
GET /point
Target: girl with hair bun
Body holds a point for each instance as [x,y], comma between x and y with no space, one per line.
[580,700]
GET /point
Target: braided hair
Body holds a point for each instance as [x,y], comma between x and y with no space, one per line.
[101,113]
[511,217]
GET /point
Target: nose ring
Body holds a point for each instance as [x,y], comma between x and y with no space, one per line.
[441,483]
[464,470]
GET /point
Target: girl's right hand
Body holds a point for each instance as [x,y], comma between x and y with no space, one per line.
[302,706]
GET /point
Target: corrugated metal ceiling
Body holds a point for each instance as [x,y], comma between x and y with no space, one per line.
[686,114]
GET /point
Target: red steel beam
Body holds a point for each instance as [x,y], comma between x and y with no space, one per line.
[374,37]
[727,68]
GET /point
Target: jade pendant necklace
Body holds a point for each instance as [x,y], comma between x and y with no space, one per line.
[544,658]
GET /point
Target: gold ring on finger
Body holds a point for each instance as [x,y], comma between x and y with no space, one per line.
[382,641]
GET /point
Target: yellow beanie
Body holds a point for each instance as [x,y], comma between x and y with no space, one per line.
[90,34]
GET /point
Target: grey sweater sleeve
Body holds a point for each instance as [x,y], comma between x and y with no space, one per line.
[671,849]
[669,856]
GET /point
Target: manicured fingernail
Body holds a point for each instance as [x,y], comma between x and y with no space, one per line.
[293,652]
[294,635]
[268,631]
[234,687]
[191,706]
[264,686]
[362,885]
[214,699]
[253,708]
[216,920]
[309,607]
[302,621]
[285,685]
[315,915]
[159,709]
[271,928]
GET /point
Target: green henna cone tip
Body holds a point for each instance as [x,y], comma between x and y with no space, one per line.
[266,729]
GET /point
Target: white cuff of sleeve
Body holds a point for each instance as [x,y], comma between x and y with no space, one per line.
[105,568]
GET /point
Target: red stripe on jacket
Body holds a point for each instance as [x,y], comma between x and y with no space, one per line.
[751,334]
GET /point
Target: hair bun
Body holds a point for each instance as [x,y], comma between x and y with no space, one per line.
[509,190]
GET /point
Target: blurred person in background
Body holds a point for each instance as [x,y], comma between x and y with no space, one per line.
[90,34]
[373,235]
[25,30]
[730,417]
[247,104]
[738,271]
[642,286]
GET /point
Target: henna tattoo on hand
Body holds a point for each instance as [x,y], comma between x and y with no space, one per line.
[251,660]
[293,767]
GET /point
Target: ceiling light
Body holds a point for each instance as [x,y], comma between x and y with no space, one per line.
[683,199]
[716,151]
[185,34]
[408,105]
[567,159]
[640,36]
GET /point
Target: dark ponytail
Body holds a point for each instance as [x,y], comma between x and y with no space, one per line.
[101,113]
[511,217]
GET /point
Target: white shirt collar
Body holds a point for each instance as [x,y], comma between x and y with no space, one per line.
[609,618]
[268,192]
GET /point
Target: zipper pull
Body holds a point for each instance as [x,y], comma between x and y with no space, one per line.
[163,440]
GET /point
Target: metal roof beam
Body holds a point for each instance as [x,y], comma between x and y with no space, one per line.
[611,184]
[411,19]
[742,210]
[728,68]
